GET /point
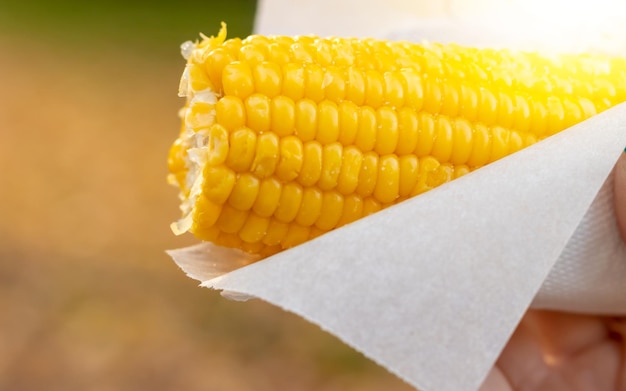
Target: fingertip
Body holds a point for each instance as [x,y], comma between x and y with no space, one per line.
[620,194]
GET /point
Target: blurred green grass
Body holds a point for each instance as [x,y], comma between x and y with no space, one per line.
[148,26]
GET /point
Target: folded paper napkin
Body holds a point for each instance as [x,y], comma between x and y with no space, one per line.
[590,274]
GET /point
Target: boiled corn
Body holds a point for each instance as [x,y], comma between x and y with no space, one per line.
[284,139]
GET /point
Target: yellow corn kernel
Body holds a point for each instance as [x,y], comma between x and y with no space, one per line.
[291,158]
[414,95]
[293,81]
[388,179]
[348,122]
[296,234]
[267,78]
[499,143]
[277,54]
[335,84]
[276,231]
[409,174]
[310,208]
[289,203]
[331,166]
[231,220]
[556,115]
[426,134]
[368,174]
[306,119]
[244,192]
[215,64]
[237,80]
[432,95]
[481,146]
[254,229]
[242,149]
[370,206]
[283,116]
[449,100]
[350,167]
[367,129]
[387,132]
[268,198]
[206,213]
[407,131]
[230,113]
[218,183]
[469,102]
[258,112]
[521,115]
[442,147]
[427,165]
[352,209]
[327,122]
[267,155]
[199,79]
[394,89]
[311,164]
[252,54]
[505,110]
[314,82]
[332,207]
[515,142]
[355,91]
[462,144]
[487,107]
[218,145]
[374,91]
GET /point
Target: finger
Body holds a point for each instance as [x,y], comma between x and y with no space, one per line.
[495,381]
[565,334]
[617,327]
[620,194]
[522,360]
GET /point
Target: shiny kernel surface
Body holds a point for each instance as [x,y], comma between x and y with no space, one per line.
[388,181]
[218,183]
[331,209]
[268,197]
[230,113]
[311,164]
[267,78]
[283,115]
[244,192]
[267,155]
[291,158]
[237,80]
[350,168]
[331,166]
[327,122]
[242,149]
[311,206]
[258,112]
[387,131]
[306,119]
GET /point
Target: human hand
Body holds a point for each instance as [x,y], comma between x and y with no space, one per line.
[562,351]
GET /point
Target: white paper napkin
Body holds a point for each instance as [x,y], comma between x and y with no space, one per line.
[441,280]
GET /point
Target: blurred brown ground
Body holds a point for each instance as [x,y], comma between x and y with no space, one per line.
[88,298]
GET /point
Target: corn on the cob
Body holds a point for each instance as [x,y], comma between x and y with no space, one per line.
[284,138]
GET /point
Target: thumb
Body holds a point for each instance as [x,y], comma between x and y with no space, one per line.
[620,194]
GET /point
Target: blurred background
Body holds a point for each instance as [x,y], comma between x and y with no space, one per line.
[88,298]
